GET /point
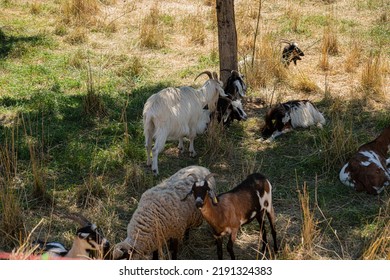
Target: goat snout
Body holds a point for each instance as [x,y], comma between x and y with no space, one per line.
[199,202]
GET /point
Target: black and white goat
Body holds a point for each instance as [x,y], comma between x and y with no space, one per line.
[175,113]
[369,168]
[230,108]
[292,114]
[228,211]
[235,86]
[291,53]
[87,243]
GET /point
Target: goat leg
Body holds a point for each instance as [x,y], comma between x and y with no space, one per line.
[230,248]
[218,241]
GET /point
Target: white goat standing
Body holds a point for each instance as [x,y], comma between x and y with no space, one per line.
[175,113]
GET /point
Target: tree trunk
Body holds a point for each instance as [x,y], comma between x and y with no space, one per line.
[227,37]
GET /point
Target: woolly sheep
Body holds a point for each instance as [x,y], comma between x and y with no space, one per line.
[162,217]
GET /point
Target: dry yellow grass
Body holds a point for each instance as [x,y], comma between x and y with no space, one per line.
[147,37]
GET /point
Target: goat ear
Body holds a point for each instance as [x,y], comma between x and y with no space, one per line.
[213,197]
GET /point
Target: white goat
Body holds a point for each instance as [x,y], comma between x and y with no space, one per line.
[175,113]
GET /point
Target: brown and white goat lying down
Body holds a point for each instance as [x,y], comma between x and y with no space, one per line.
[283,117]
[227,212]
[368,169]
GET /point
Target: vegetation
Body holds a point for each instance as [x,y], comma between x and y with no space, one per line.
[75,74]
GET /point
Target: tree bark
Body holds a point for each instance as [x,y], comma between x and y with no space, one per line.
[227,37]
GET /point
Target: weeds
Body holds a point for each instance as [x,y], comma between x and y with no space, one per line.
[379,244]
[309,231]
[151,34]
[92,103]
[80,12]
[373,74]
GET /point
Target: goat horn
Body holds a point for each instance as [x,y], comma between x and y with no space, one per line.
[78,218]
[213,196]
[208,73]
[215,76]
[286,41]
[210,175]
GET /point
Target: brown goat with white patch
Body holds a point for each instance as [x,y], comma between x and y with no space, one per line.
[227,212]
[368,169]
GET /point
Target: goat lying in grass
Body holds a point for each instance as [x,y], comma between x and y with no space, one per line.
[369,169]
[284,117]
[87,241]
[227,212]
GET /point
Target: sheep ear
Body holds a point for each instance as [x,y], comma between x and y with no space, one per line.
[188,194]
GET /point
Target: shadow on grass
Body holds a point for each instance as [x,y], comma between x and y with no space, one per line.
[10,43]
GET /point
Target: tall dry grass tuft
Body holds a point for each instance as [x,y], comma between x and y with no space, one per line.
[303,83]
[337,142]
[372,79]
[135,179]
[265,67]
[379,245]
[294,15]
[80,12]
[329,46]
[151,33]
[217,145]
[91,191]
[309,231]
[194,26]
[93,104]
[353,57]
[11,215]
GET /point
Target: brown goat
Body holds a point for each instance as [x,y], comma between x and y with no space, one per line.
[227,212]
[368,169]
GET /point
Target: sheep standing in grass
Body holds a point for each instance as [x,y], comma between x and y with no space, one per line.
[175,113]
[161,218]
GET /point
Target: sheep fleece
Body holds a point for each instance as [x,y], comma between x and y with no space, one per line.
[161,214]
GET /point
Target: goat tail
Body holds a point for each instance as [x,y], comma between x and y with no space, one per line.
[149,126]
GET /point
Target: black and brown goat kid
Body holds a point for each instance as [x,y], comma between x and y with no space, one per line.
[291,53]
[228,211]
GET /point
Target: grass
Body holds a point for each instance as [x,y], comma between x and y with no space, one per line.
[71,105]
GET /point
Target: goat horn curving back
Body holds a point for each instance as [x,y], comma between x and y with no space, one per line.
[208,73]
[80,219]
[210,175]
[286,41]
